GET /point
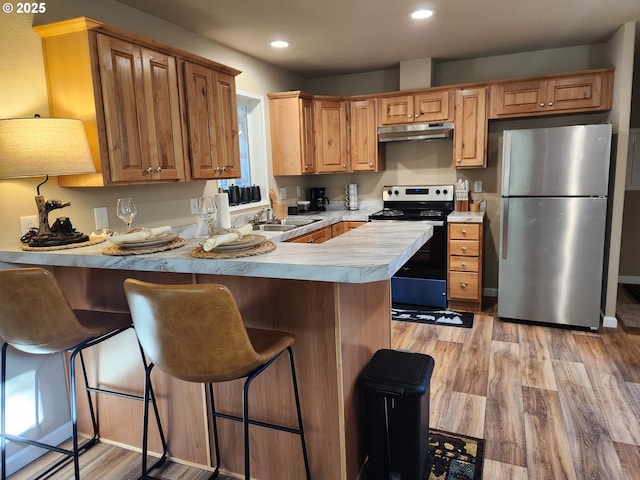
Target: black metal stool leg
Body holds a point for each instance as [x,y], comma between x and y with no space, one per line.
[299,413]
[3,440]
[214,423]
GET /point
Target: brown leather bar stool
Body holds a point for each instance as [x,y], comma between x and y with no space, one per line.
[36,318]
[196,334]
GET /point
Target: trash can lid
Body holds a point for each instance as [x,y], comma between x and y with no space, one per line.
[398,372]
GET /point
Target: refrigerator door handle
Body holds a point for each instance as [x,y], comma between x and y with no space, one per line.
[505,227]
[506,163]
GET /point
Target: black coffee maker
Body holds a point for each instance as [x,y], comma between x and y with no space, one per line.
[317,199]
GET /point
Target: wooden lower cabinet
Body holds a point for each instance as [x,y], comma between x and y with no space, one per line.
[343,227]
[464,282]
[337,327]
[317,236]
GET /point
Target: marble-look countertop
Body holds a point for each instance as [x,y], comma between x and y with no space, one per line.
[372,252]
[466,217]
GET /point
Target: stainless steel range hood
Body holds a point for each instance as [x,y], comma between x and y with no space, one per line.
[412,132]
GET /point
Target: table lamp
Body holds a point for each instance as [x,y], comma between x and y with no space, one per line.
[34,147]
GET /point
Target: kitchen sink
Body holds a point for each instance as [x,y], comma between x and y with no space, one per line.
[274,227]
[285,224]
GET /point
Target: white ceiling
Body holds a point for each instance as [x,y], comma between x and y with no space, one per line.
[332,37]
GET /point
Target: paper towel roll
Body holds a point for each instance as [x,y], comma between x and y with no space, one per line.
[224,216]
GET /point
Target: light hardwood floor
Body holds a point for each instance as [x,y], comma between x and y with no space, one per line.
[551,403]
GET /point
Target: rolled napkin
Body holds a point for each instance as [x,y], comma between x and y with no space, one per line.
[138,235]
[237,234]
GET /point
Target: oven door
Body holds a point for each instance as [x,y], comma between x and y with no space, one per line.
[422,280]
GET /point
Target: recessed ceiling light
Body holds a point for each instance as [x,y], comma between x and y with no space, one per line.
[420,14]
[279,44]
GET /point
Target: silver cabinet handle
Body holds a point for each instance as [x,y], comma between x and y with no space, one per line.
[148,170]
[464,264]
[551,104]
[464,249]
[463,285]
[464,232]
[371,164]
[459,160]
[159,169]
[542,104]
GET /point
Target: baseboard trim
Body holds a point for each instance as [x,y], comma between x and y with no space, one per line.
[490,292]
[28,454]
[629,279]
[609,322]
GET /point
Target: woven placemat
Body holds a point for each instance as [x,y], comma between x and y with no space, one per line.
[63,247]
[262,247]
[117,250]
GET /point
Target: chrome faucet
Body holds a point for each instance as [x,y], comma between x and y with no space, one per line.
[262,212]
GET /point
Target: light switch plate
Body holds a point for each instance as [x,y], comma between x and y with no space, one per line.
[477,186]
[283,193]
[193,202]
[101,216]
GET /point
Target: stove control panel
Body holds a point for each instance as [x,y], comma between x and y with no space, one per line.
[418,193]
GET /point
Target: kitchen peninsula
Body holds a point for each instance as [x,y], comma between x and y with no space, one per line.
[334,296]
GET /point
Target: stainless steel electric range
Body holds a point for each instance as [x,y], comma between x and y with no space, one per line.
[423,279]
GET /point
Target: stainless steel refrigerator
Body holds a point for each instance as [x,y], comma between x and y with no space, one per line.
[552,224]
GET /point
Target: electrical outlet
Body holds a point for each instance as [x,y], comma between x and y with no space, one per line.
[194,206]
[283,193]
[101,216]
[299,191]
[477,186]
[28,222]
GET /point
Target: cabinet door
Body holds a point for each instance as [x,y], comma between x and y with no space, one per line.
[292,138]
[331,136]
[518,98]
[164,127]
[124,110]
[228,158]
[433,107]
[213,123]
[367,155]
[471,124]
[142,112]
[582,92]
[396,109]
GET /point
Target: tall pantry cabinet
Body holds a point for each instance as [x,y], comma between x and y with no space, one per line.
[131,94]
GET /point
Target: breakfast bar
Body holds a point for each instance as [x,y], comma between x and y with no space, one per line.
[335,297]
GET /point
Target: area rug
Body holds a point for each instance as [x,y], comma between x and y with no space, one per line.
[453,457]
[417,313]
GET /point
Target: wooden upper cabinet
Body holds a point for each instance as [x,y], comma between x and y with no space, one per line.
[427,107]
[331,134]
[367,155]
[471,125]
[129,93]
[212,123]
[142,112]
[292,133]
[580,92]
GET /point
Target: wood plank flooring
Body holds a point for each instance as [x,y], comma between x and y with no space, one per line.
[551,403]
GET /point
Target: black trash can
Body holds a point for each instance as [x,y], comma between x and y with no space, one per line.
[395,387]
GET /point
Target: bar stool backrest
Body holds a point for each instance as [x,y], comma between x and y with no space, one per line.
[193,332]
[35,316]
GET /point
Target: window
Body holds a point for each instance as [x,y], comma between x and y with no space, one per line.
[253,147]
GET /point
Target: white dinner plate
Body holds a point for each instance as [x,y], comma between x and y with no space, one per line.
[244,243]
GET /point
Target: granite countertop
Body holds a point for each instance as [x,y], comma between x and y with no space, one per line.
[372,252]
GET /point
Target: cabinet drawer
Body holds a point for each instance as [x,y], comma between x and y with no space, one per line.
[463,264]
[464,286]
[463,231]
[464,247]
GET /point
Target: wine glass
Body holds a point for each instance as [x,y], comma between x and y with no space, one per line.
[207,210]
[126,210]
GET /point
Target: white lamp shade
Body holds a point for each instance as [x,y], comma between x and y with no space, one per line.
[32,147]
